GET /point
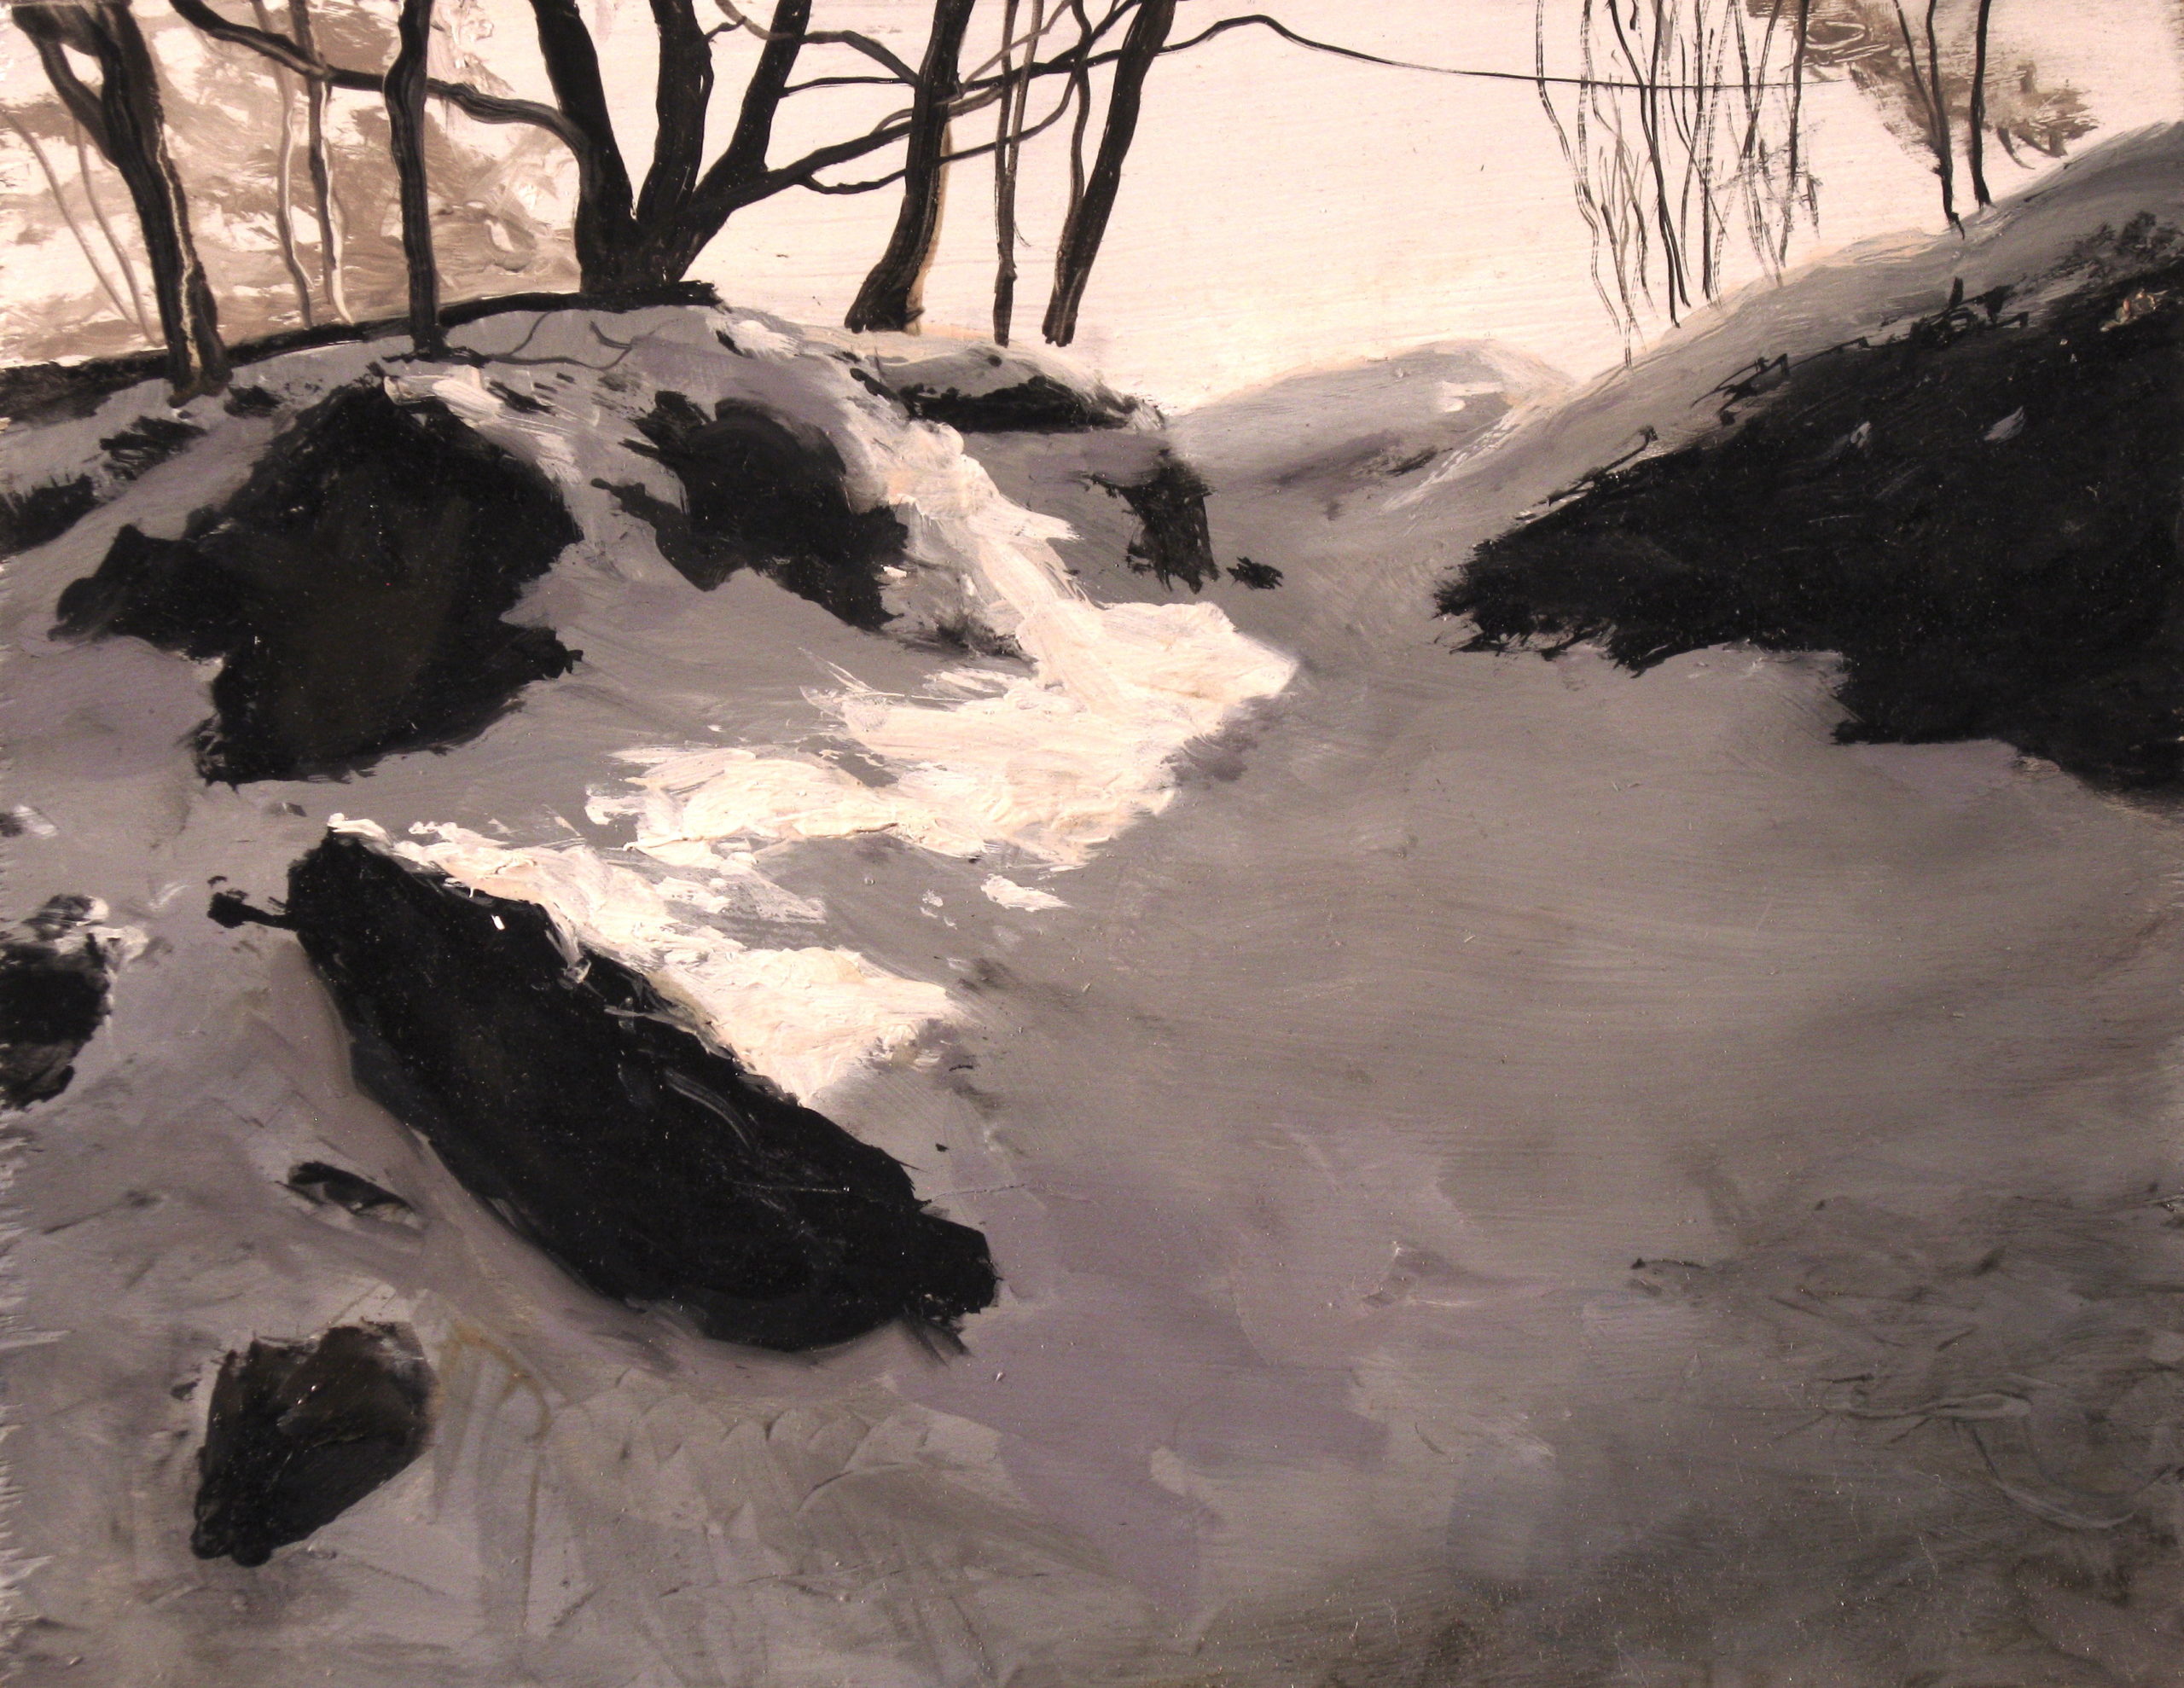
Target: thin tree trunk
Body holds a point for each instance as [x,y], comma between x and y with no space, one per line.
[89,178]
[321,179]
[1799,52]
[1008,159]
[405,111]
[124,120]
[1930,94]
[889,299]
[1975,139]
[1944,145]
[1088,221]
[1080,90]
[284,211]
[68,216]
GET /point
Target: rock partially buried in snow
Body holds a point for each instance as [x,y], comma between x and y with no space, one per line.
[564,1090]
[977,387]
[353,588]
[760,493]
[802,1019]
[2002,565]
[297,1433]
[55,978]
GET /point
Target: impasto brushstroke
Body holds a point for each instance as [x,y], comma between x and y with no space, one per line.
[993,844]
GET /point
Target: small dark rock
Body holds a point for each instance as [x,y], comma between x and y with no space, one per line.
[1038,405]
[146,444]
[54,983]
[297,1433]
[759,493]
[253,402]
[320,1184]
[1173,541]
[39,514]
[233,909]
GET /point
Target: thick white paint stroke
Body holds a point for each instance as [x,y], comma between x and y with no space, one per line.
[803,1018]
[1055,762]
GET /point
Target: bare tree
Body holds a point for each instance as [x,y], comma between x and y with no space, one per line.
[321,179]
[126,304]
[889,297]
[1941,78]
[1008,156]
[1087,226]
[405,112]
[1975,125]
[1685,121]
[1712,141]
[284,210]
[123,119]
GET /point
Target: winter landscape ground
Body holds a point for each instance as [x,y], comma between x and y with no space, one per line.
[1275,1133]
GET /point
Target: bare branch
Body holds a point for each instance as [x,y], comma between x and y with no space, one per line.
[68,216]
[471,101]
[826,37]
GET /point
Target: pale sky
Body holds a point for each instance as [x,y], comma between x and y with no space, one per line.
[1284,209]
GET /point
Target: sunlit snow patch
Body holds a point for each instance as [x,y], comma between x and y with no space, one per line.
[803,1018]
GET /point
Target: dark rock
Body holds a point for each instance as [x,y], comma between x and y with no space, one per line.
[355,588]
[1982,517]
[320,1184]
[1173,541]
[570,1099]
[760,494]
[297,1433]
[39,513]
[54,982]
[1259,577]
[146,444]
[1038,405]
[233,909]
[252,402]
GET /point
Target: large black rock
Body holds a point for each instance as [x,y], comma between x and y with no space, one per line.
[570,1100]
[1982,517]
[297,1433]
[354,588]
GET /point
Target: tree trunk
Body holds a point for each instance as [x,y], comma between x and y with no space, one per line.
[606,229]
[1088,221]
[405,111]
[668,249]
[889,298]
[322,180]
[1975,138]
[284,185]
[682,94]
[106,284]
[124,120]
[1008,158]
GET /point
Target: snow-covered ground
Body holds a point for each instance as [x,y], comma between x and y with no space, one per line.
[1383,1006]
